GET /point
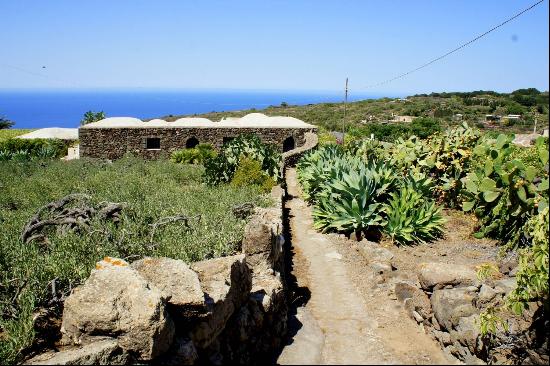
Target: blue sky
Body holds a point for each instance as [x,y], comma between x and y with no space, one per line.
[286,44]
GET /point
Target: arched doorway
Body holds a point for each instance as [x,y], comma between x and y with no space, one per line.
[191,143]
[288,144]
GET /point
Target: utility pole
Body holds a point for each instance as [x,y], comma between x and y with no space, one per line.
[535,128]
[345,105]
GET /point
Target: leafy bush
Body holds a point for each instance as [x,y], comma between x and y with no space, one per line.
[150,190]
[411,218]
[250,173]
[196,155]
[505,193]
[424,127]
[221,168]
[532,275]
[27,149]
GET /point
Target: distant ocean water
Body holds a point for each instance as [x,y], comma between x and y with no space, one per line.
[56,108]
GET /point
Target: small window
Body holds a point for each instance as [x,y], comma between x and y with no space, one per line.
[191,143]
[153,143]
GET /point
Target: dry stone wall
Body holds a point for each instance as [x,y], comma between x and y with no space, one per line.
[113,143]
[223,310]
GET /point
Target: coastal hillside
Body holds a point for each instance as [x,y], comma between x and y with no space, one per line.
[446,108]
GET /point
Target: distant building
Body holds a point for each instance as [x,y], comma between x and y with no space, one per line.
[406,119]
[492,118]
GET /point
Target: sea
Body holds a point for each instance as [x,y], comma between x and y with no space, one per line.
[65,108]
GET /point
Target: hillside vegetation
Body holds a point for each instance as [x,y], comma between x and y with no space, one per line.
[442,107]
[126,209]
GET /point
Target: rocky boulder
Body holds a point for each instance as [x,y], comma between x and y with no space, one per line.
[438,275]
[100,351]
[414,299]
[226,283]
[116,301]
[449,305]
[378,258]
[263,240]
[177,283]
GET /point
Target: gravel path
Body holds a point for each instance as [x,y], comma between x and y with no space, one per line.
[339,324]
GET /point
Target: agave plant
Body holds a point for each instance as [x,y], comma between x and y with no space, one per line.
[411,218]
[350,202]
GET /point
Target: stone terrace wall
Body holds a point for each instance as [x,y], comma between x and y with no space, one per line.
[113,143]
[222,310]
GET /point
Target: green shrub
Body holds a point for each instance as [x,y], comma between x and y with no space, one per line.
[221,168]
[411,218]
[503,192]
[196,155]
[27,149]
[532,275]
[151,190]
[424,127]
[249,173]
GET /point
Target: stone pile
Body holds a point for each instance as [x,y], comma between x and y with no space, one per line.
[222,310]
[446,300]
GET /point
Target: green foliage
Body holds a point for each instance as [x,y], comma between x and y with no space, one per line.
[221,168]
[28,149]
[5,123]
[12,132]
[490,321]
[316,166]
[91,117]
[411,218]
[196,155]
[504,193]
[350,203]
[351,195]
[150,190]
[424,127]
[532,275]
[249,173]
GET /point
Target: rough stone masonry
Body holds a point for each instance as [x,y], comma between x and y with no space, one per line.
[111,138]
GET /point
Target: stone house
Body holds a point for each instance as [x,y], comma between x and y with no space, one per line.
[111,138]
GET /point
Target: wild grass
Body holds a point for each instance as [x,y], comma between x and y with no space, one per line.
[9,133]
[150,191]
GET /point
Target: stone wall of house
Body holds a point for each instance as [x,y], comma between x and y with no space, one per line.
[113,143]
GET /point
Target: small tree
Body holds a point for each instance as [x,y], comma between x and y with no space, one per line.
[90,117]
[5,123]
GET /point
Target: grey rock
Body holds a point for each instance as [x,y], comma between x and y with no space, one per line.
[117,301]
[263,240]
[486,294]
[177,283]
[451,305]
[506,285]
[374,253]
[417,299]
[226,283]
[100,351]
[467,332]
[443,337]
[438,275]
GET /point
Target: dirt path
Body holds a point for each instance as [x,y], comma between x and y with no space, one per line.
[343,322]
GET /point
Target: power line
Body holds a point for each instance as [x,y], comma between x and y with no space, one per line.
[454,50]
